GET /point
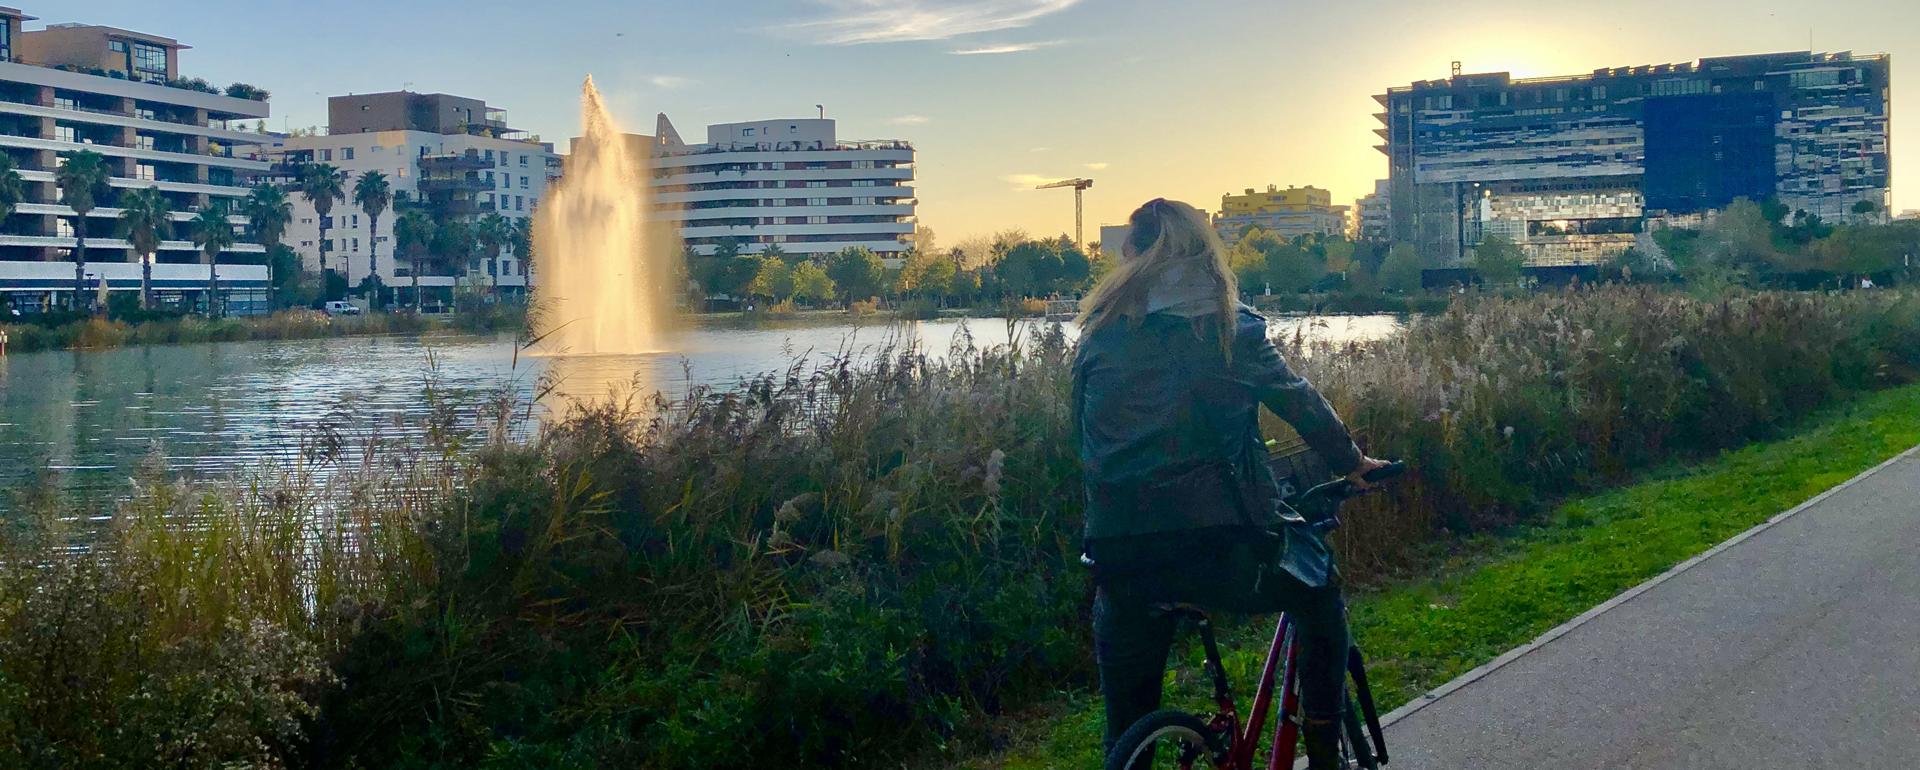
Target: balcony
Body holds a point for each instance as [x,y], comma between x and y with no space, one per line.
[463,161]
[451,184]
[224,158]
[463,207]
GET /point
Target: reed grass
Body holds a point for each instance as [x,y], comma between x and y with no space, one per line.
[838,564]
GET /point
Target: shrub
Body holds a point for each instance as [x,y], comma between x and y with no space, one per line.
[828,566]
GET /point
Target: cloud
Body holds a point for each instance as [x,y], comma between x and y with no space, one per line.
[987,50]
[1097,166]
[909,120]
[1041,149]
[669,81]
[853,22]
[1027,181]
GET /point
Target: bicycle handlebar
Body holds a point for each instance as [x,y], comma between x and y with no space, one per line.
[1332,493]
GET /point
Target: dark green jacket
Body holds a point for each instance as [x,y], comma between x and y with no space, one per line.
[1169,430]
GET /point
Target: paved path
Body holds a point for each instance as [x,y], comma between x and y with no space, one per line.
[1795,647]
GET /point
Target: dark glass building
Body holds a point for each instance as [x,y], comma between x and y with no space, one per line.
[1572,168]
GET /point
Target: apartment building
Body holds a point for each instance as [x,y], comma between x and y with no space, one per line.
[1373,213]
[1572,167]
[1287,213]
[788,182]
[74,87]
[453,156]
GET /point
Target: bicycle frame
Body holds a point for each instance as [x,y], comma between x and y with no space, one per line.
[1278,675]
[1279,669]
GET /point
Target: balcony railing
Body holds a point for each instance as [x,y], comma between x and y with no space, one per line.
[470,183]
[470,159]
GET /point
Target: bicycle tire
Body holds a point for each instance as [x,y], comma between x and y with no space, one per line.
[1355,751]
[1200,745]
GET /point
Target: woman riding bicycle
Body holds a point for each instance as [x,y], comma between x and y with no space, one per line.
[1168,381]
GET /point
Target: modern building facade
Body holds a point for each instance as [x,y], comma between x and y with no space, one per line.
[1573,167]
[452,155]
[70,88]
[1373,213]
[786,182]
[1287,213]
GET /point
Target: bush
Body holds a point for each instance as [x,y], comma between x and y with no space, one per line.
[824,567]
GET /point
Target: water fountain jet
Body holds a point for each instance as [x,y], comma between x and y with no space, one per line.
[604,265]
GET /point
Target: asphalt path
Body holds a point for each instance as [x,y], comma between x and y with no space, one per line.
[1794,645]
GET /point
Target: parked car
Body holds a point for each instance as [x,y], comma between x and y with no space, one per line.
[338,307]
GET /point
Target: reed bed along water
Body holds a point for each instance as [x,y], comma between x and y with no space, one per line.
[834,565]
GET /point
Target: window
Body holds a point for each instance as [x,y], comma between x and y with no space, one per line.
[817,184]
[863,183]
[489,178]
[816,220]
[65,103]
[523,161]
[863,164]
[64,134]
[144,171]
[143,141]
[356,244]
[326,155]
[148,60]
[519,203]
[346,153]
[489,156]
[523,183]
[117,46]
[145,113]
[746,132]
[816,201]
[355,220]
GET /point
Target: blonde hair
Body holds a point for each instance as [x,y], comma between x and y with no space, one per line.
[1165,235]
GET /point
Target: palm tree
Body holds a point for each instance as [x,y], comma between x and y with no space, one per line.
[373,194]
[213,234]
[520,243]
[413,233]
[323,185]
[13,189]
[83,184]
[145,221]
[493,231]
[452,244]
[268,213]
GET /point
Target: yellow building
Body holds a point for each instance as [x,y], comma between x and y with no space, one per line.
[1287,213]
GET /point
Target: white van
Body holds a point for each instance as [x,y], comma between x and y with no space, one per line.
[340,307]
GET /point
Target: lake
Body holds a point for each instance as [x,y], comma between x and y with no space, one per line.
[91,418]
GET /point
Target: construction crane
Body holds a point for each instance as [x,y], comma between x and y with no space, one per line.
[1079,186]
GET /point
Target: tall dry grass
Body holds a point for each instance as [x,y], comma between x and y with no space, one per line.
[833,565]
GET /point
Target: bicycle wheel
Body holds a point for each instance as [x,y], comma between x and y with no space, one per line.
[1355,751]
[1165,739]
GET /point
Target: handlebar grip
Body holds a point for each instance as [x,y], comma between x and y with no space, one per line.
[1385,472]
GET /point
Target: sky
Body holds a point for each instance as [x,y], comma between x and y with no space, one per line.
[1149,98]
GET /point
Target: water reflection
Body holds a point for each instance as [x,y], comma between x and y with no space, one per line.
[208,409]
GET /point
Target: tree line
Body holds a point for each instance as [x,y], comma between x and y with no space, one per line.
[428,240]
[1008,265]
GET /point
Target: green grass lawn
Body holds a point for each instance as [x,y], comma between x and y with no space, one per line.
[1500,591]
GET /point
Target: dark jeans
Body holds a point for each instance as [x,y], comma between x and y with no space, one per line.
[1216,573]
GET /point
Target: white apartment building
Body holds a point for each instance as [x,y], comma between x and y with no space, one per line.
[118,93]
[453,155]
[788,182]
[1373,213]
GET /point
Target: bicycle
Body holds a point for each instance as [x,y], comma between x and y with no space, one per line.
[1219,738]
